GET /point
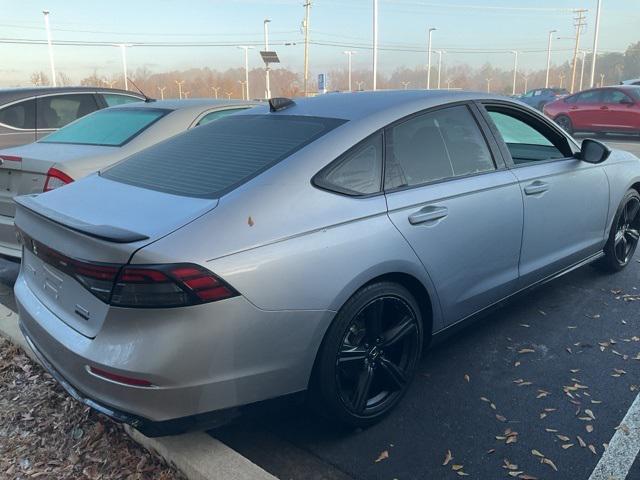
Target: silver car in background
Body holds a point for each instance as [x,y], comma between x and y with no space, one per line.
[312,245]
[94,142]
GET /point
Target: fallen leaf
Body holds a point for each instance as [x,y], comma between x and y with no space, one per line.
[593,449]
[589,428]
[383,456]
[501,418]
[448,457]
[567,445]
[537,453]
[563,438]
[457,467]
[550,463]
[467,378]
[526,350]
[580,441]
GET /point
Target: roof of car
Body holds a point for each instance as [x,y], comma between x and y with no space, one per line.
[176,104]
[17,93]
[360,105]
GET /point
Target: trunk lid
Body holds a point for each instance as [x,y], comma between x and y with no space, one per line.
[110,222]
[24,169]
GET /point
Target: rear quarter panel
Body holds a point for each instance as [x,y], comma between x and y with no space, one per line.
[623,172]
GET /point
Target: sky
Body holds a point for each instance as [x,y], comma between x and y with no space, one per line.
[470,31]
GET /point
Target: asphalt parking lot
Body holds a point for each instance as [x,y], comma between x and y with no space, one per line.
[537,387]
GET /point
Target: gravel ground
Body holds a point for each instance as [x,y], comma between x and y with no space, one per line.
[46,434]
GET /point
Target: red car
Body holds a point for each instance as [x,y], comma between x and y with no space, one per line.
[605,109]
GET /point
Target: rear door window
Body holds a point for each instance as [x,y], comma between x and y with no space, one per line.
[590,96]
[614,96]
[213,159]
[434,146]
[113,127]
[56,111]
[20,115]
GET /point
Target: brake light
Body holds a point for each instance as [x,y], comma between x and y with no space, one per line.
[10,158]
[56,179]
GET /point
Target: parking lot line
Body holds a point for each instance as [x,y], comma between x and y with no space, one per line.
[623,447]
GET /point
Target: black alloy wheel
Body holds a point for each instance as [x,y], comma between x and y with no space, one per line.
[370,354]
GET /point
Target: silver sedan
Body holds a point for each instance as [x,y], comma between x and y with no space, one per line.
[311,245]
[94,142]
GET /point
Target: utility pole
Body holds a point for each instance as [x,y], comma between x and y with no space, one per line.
[51,63]
[488,85]
[349,54]
[123,51]
[595,44]
[431,30]
[439,52]
[162,89]
[546,82]
[580,21]
[515,71]
[215,91]
[375,44]
[246,69]
[584,57]
[305,26]
[267,92]
[180,83]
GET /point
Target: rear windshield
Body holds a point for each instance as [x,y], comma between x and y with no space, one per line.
[112,128]
[213,159]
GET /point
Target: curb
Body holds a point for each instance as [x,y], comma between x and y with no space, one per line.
[198,456]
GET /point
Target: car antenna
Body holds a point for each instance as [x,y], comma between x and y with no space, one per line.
[146,99]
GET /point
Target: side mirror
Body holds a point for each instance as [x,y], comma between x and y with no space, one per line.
[593,151]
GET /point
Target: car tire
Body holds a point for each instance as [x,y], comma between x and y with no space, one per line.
[623,237]
[368,356]
[565,123]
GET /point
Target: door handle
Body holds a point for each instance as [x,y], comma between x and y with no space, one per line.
[536,187]
[428,214]
[604,107]
[573,108]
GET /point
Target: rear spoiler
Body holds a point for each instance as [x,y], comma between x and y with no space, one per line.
[102,232]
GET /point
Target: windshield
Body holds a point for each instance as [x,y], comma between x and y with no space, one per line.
[211,160]
[110,127]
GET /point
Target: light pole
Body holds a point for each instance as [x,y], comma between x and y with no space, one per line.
[526,81]
[405,84]
[488,85]
[546,82]
[246,68]
[595,43]
[439,52]
[562,75]
[51,63]
[375,43]
[180,83]
[360,84]
[228,94]
[449,83]
[584,57]
[123,51]
[602,80]
[111,83]
[186,94]
[162,89]
[215,91]
[242,88]
[431,30]
[349,54]
[267,93]
[515,71]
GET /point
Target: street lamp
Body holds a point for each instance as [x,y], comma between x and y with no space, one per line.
[266,65]
[246,67]
[602,80]
[123,51]
[431,30]
[242,89]
[215,91]
[180,83]
[349,54]
[51,63]
[562,76]
[595,42]
[375,43]
[526,81]
[515,71]
[162,89]
[440,52]
[405,84]
[488,85]
[228,94]
[546,82]
[584,57]
[449,83]
[360,84]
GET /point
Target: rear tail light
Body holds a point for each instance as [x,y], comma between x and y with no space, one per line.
[138,286]
[56,179]
[114,377]
[10,158]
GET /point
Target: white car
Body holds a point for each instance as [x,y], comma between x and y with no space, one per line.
[91,143]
